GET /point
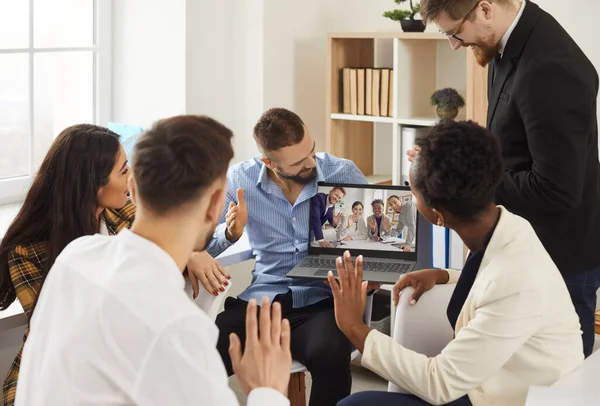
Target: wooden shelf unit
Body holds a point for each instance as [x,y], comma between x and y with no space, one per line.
[421,63]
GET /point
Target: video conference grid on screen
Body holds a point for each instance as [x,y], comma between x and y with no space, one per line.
[363,218]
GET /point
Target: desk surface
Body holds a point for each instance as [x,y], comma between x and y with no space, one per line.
[369,244]
[238,252]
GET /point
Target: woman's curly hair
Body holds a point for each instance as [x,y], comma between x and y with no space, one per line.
[458,168]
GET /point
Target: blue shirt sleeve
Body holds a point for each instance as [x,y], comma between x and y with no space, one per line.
[219,242]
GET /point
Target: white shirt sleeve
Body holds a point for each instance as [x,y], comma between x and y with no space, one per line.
[183,367]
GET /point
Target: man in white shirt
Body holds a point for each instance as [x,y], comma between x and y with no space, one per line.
[113,324]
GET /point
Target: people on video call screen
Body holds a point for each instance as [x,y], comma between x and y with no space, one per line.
[356,218]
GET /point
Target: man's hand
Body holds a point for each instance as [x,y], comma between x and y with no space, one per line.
[267,360]
[350,298]
[325,244]
[201,266]
[337,219]
[236,217]
[422,281]
[412,153]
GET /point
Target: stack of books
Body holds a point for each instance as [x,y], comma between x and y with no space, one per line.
[368,91]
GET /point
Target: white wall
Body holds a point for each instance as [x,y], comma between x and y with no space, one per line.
[579,18]
[244,57]
[247,81]
[208,62]
[149,72]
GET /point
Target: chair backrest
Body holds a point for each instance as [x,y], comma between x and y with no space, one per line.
[424,327]
[207,302]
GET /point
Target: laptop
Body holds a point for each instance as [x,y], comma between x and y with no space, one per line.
[388,251]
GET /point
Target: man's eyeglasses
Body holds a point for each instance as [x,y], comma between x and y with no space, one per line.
[459,26]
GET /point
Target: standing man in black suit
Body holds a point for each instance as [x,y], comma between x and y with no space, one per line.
[542,93]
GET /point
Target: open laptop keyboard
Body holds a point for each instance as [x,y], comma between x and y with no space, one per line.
[329,263]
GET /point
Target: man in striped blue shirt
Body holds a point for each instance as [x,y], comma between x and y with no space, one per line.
[274,209]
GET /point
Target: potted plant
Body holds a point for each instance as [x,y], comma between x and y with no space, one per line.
[407,17]
[447,101]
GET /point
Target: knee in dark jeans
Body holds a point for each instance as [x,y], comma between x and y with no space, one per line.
[329,355]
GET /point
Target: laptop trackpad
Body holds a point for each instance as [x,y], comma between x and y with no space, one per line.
[324,272]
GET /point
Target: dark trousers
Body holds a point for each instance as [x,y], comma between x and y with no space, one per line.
[316,342]
[395,399]
[583,287]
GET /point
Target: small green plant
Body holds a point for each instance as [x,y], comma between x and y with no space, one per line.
[447,98]
[399,15]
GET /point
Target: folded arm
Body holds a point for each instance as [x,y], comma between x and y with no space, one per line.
[559,115]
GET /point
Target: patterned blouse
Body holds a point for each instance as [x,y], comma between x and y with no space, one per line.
[26,265]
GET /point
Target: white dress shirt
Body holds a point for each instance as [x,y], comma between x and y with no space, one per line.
[517,328]
[103,228]
[507,34]
[113,325]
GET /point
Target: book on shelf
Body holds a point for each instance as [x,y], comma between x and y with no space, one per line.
[369,91]
[384,92]
[376,91]
[346,90]
[360,78]
[353,92]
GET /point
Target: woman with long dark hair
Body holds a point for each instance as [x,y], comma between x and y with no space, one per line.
[80,189]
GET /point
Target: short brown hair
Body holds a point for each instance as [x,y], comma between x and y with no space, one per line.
[456,9]
[178,158]
[278,128]
[341,189]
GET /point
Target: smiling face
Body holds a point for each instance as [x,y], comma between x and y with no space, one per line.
[335,196]
[378,210]
[395,204]
[113,195]
[358,210]
[474,30]
[296,162]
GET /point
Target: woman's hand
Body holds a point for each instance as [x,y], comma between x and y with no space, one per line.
[350,299]
[372,224]
[201,266]
[422,281]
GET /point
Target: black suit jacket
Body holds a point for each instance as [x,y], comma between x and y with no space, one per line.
[542,107]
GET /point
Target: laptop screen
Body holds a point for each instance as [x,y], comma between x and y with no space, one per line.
[374,220]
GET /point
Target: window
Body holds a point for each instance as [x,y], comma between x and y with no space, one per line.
[54,72]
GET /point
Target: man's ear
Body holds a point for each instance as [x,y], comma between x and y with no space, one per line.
[216,204]
[487,9]
[132,191]
[269,164]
